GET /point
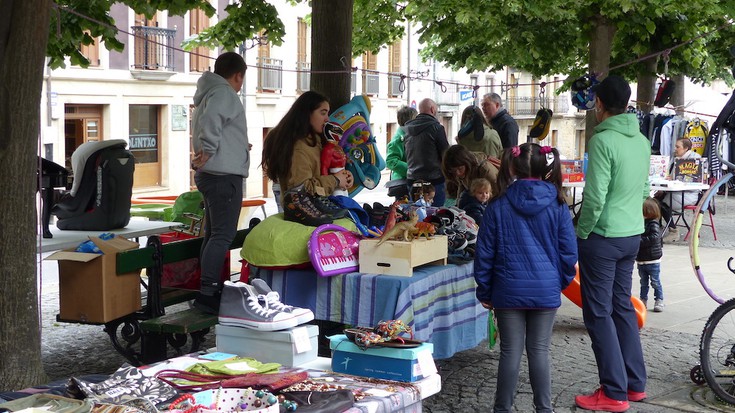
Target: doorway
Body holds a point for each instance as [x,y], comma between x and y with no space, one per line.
[82,123]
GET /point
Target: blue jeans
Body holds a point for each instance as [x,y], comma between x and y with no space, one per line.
[519,329]
[606,278]
[651,273]
[277,196]
[440,195]
[222,204]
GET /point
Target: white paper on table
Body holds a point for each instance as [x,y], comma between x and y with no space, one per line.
[177,363]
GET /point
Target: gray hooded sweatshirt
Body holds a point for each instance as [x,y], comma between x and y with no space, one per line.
[219,127]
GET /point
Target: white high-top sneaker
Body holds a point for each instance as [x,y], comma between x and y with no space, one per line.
[242,306]
[273,301]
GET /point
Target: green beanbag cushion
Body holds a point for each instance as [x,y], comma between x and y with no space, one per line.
[276,242]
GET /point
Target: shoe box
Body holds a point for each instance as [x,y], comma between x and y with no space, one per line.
[400,364]
[292,347]
[90,290]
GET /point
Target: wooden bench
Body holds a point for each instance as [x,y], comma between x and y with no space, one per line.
[152,326]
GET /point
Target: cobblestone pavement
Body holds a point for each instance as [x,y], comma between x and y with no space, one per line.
[468,378]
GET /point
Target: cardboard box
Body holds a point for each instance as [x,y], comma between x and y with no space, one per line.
[659,167]
[688,170]
[270,346]
[90,290]
[400,257]
[400,364]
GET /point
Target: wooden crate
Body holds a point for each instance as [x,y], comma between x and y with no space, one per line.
[401,257]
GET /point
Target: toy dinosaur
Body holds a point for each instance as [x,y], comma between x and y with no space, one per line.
[401,229]
[427,229]
[390,222]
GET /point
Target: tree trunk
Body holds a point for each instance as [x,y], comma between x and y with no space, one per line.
[646,92]
[331,49]
[23,37]
[677,98]
[600,47]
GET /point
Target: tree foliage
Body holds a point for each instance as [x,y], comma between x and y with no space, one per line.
[243,22]
[376,23]
[553,36]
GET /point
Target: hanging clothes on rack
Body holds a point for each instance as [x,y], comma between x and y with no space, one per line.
[658,124]
[696,131]
[717,134]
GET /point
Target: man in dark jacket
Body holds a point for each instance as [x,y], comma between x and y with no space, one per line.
[492,107]
[426,141]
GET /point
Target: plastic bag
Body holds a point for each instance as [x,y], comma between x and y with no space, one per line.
[492,331]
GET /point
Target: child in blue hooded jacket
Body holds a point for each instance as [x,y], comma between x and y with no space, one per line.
[526,252]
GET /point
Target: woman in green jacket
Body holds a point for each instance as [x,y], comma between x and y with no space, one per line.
[395,158]
[609,229]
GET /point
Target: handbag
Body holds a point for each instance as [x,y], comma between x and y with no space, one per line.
[333,253]
[397,188]
[492,330]
[127,385]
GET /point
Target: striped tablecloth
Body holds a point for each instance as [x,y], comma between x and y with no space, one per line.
[438,302]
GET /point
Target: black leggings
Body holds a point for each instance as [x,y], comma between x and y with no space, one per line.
[666,214]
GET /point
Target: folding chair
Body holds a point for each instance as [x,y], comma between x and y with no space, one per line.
[710,212]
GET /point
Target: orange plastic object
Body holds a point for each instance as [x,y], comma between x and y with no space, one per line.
[574,293]
[170,199]
[253,202]
[160,199]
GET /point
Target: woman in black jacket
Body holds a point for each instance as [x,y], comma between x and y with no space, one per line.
[649,255]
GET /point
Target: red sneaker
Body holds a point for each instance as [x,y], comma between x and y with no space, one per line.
[599,401]
[636,396]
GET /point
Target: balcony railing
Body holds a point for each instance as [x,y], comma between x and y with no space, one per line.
[153,48]
[450,97]
[270,75]
[370,83]
[528,106]
[303,76]
[394,82]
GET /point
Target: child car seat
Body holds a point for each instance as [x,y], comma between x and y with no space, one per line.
[103,185]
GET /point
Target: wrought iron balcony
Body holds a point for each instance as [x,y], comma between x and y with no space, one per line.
[303,77]
[153,48]
[270,75]
[529,105]
[394,81]
[370,83]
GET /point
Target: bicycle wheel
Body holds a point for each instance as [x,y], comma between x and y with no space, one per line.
[717,351]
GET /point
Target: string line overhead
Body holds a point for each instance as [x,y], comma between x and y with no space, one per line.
[414,75]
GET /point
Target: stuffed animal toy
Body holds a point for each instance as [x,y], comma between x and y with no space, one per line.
[363,159]
[333,158]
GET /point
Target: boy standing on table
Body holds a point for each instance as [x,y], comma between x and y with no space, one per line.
[221,161]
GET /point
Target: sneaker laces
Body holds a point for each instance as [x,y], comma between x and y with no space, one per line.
[254,303]
[273,301]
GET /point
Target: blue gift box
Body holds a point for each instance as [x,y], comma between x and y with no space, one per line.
[400,364]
